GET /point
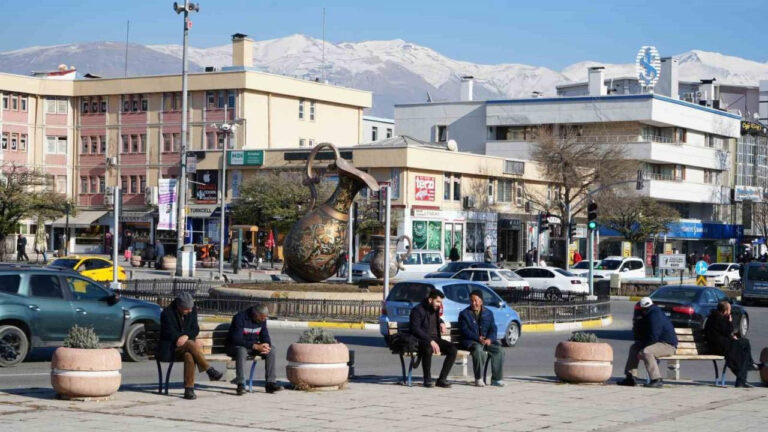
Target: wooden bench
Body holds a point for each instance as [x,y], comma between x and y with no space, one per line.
[453,336]
[212,336]
[692,346]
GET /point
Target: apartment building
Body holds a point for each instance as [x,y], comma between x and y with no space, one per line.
[685,148]
[92,133]
[377,128]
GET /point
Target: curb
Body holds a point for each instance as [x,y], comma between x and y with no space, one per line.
[567,326]
[630,298]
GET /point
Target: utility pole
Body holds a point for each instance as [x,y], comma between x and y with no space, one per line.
[227,128]
[181,224]
[116,197]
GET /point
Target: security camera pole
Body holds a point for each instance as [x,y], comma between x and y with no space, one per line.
[181,224]
[227,128]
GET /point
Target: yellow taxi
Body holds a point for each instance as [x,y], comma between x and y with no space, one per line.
[95,268]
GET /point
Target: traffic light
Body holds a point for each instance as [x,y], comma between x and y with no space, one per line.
[543,222]
[571,230]
[592,215]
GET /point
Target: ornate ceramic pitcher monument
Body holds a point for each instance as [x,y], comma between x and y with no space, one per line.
[315,242]
[378,244]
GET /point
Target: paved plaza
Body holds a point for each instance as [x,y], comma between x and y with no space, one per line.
[373,404]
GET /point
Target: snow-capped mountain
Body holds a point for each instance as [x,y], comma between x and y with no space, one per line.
[396,71]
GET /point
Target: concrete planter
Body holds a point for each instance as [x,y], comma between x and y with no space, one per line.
[169,262]
[317,365]
[764,371]
[583,362]
[85,373]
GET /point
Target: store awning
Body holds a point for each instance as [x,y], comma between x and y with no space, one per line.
[83,219]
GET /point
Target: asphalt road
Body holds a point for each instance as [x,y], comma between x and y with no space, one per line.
[533,356]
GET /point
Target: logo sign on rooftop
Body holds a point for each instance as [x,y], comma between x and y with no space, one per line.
[648,65]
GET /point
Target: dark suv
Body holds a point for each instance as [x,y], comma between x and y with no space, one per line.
[39,305]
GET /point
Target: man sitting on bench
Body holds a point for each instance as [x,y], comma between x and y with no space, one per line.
[178,330]
[722,341]
[425,326]
[478,336]
[654,337]
[248,336]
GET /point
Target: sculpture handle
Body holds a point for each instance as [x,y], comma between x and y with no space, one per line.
[311,180]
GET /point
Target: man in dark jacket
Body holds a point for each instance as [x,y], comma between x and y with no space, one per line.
[178,330]
[654,337]
[454,255]
[478,336]
[723,341]
[426,327]
[21,249]
[248,336]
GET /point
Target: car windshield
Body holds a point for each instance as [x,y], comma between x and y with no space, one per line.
[609,264]
[564,272]
[453,267]
[758,273]
[65,263]
[510,275]
[676,294]
[717,267]
[409,292]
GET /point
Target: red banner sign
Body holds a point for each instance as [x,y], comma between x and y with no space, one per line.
[425,188]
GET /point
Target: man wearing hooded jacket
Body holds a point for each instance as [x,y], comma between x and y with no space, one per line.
[248,336]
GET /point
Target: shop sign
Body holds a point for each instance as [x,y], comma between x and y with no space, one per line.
[747,193]
[672,262]
[207,187]
[510,224]
[427,213]
[245,157]
[724,254]
[201,211]
[626,249]
[425,188]
[191,164]
[753,128]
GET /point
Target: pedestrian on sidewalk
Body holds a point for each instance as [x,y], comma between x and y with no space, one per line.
[478,336]
[427,327]
[577,258]
[342,265]
[722,341]
[488,255]
[454,255]
[690,261]
[654,337]
[248,336]
[178,330]
[159,253]
[21,248]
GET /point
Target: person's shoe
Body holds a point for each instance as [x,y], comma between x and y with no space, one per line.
[443,383]
[757,366]
[189,393]
[479,383]
[213,374]
[429,384]
[496,383]
[657,383]
[743,384]
[240,390]
[629,381]
[273,388]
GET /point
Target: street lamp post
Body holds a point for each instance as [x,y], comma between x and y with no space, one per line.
[68,208]
[185,8]
[227,128]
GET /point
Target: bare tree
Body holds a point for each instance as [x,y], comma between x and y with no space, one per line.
[635,219]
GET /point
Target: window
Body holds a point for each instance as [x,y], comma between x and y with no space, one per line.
[4,144]
[475,241]
[84,185]
[681,135]
[85,145]
[301,109]
[126,140]
[311,142]
[103,144]
[374,133]
[490,191]
[135,144]
[222,99]
[103,105]
[94,144]
[220,140]
[142,142]
[142,183]
[5,101]
[102,184]
[56,145]
[83,290]
[458,293]
[553,193]
[61,106]
[441,133]
[134,184]
[457,187]
[134,103]
[171,102]
[14,141]
[167,142]
[480,276]
[45,286]
[55,105]
[94,184]
[210,99]
[23,142]
[519,193]
[124,183]
[389,132]
[9,284]
[312,110]
[514,167]
[23,102]
[86,106]
[231,99]
[505,191]
[711,176]
[60,184]
[463,275]
[302,142]
[447,186]
[14,102]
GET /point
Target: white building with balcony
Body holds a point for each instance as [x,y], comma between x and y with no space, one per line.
[685,148]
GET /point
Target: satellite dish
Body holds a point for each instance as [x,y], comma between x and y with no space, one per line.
[452,146]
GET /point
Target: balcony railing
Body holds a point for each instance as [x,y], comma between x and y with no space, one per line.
[665,177]
[622,139]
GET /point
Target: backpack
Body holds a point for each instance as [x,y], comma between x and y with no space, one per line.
[403,343]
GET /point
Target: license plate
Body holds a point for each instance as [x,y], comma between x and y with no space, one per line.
[403,311]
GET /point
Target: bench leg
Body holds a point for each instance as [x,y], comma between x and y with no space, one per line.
[168,377]
[250,377]
[159,377]
[673,370]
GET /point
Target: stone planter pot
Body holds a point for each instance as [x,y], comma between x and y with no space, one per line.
[209,263]
[136,261]
[317,365]
[85,373]
[583,362]
[764,371]
[169,262]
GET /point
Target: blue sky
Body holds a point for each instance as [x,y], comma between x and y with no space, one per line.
[553,33]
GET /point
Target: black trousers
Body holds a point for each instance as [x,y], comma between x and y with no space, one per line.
[739,358]
[446,348]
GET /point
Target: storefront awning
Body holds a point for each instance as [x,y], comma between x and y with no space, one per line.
[83,219]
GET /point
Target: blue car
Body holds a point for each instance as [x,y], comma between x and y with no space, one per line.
[407,294]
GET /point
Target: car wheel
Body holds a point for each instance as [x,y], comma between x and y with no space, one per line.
[14,346]
[743,326]
[512,335]
[552,294]
[136,347]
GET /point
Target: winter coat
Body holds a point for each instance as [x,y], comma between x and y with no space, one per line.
[471,330]
[719,331]
[171,329]
[655,327]
[245,332]
[419,321]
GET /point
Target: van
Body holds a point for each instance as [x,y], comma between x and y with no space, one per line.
[754,283]
[419,263]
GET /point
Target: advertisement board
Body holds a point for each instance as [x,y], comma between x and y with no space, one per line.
[166,204]
[672,261]
[425,188]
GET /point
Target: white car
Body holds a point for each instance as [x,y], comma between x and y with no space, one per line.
[419,264]
[723,273]
[630,267]
[497,279]
[553,281]
[361,270]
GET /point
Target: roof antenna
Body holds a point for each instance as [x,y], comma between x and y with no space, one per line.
[127,32]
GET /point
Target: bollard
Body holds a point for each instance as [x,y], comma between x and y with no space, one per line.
[351,363]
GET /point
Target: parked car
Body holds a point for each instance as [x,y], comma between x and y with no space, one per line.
[754,283]
[39,305]
[584,266]
[723,273]
[553,281]
[419,264]
[497,279]
[407,294]
[630,267]
[361,270]
[95,268]
[449,269]
[690,305]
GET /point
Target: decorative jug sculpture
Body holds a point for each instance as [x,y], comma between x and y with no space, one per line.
[378,244]
[315,242]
